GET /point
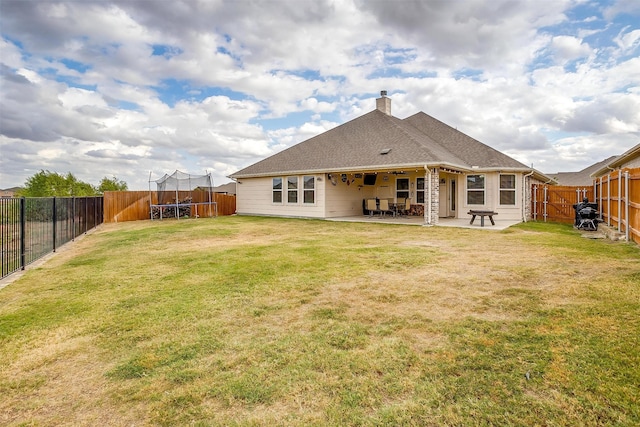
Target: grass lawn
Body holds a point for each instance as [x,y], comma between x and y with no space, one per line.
[241,321]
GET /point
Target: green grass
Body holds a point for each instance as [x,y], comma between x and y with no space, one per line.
[260,321]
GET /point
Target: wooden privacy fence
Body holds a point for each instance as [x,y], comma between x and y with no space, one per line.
[555,202]
[120,206]
[618,196]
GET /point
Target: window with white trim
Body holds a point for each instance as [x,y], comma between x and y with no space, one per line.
[292,189]
[475,189]
[420,190]
[402,189]
[276,190]
[507,189]
[308,189]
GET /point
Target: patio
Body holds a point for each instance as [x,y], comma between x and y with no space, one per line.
[418,220]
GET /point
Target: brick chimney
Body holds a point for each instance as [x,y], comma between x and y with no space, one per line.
[383,103]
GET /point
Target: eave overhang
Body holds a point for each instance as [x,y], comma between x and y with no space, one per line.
[394,167]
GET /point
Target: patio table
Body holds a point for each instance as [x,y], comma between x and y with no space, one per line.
[482,214]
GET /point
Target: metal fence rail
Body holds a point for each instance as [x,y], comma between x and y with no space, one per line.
[32,227]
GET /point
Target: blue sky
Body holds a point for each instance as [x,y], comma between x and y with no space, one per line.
[132,87]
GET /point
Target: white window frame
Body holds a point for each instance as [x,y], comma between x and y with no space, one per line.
[477,190]
[420,190]
[504,190]
[399,190]
[308,190]
[275,190]
[290,190]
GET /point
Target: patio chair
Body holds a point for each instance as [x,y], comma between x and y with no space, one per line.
[406,208]
[372,206]
[384,207]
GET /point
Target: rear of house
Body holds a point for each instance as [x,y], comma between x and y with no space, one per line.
[441,171]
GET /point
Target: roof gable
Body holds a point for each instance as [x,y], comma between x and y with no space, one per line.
[377,140]
[471,151]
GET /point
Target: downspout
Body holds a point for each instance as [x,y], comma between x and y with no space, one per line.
[524,195]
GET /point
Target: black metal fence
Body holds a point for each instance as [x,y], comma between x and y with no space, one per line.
[31,227]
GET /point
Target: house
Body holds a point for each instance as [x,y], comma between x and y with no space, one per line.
[228,188]
[581,178]
[9,193]
[630,159]
[442,171]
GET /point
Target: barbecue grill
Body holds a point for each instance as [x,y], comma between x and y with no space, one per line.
[586,215]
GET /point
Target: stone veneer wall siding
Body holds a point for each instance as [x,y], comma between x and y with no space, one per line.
[434,211]
[528,196]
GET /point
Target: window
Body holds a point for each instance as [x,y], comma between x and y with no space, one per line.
[309,189]
[402,188]
[453,194]
[475,189]
[276,190]
[420,190]
[292,189]
[507,189]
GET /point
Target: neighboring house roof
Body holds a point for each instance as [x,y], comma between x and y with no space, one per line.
[228,188]
[582,177]
[358,145]
[620,161]
[10,192]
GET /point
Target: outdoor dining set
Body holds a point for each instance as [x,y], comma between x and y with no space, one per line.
[383,207]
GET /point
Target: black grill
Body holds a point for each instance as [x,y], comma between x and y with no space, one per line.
[586,215]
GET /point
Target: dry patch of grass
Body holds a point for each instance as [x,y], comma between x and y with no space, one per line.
[258,321]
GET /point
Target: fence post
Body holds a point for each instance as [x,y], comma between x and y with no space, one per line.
[544,204]
[609,199]
[55,222]
[626,204]
[535,202]
[23,228]
[619,200]
[73,218]
[600,194]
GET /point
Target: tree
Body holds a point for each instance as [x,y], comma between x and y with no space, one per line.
[48,184]
[111,184]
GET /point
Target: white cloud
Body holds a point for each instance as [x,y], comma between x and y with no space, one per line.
[628,41]
[233,82]
[567,48]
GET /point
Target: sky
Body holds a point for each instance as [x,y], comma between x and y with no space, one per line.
[139,88]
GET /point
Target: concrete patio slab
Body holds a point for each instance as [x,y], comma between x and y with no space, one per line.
[415,220]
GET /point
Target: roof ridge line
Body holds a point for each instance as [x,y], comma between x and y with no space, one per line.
[424,135]
[409,136]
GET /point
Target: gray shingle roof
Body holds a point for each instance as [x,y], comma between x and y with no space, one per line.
[357,145]
[471,151]
[582,177]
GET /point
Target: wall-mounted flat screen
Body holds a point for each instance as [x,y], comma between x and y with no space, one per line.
[370,179]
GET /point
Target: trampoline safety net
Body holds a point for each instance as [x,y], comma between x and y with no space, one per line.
[183,195]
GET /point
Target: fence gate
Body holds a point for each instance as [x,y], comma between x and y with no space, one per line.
[555,203]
